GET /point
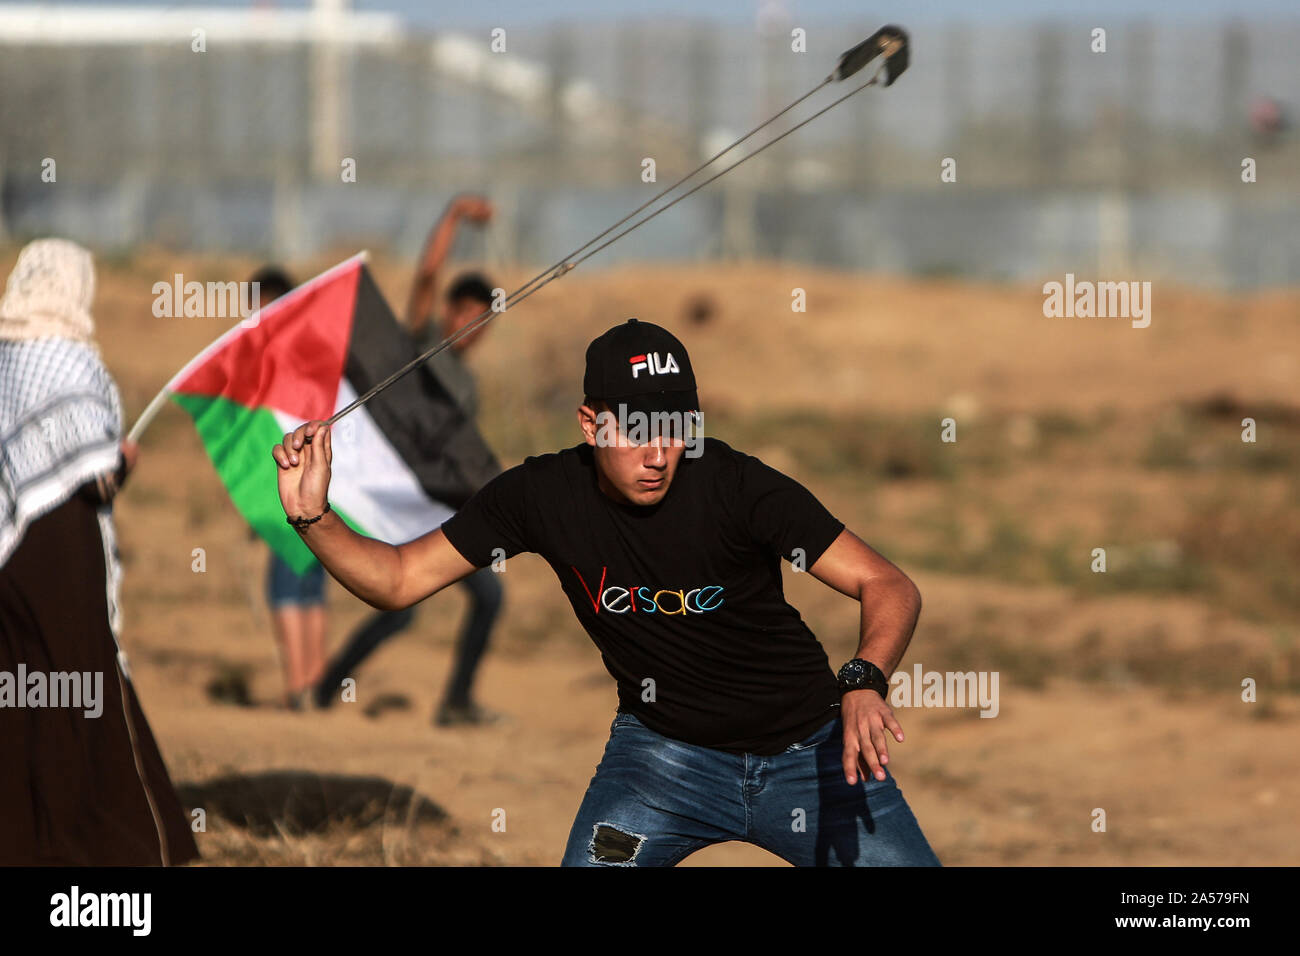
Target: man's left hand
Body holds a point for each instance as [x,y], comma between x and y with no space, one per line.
[867,721]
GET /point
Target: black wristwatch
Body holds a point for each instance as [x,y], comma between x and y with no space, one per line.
[858,674]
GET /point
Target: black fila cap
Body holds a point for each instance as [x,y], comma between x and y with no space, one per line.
[643,366]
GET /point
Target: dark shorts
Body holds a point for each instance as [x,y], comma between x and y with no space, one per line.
[284,588]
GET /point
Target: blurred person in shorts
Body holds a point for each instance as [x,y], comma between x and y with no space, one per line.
[297,601]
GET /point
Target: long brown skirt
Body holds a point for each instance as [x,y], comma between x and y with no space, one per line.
[76,790]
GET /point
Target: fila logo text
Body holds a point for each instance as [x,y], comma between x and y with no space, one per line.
[650,362]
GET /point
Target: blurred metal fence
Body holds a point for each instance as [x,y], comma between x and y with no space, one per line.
[1066,158]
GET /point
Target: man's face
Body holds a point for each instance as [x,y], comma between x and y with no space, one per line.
[460,313]
[637,474]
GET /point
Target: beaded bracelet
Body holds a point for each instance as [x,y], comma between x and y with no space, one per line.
[301,523]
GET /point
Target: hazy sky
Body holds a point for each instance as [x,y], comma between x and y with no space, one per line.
[507,12]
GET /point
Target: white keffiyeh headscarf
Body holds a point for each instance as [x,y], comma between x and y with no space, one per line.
[60,412]
[49,293]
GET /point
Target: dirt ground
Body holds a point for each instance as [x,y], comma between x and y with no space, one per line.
[1072,434]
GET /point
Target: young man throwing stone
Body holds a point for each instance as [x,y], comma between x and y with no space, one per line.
[731,724]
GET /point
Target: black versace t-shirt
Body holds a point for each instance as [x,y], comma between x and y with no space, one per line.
[684,599]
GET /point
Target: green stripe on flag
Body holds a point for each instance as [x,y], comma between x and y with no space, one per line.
[239,440]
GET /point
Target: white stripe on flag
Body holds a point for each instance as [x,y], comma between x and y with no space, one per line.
[370,482]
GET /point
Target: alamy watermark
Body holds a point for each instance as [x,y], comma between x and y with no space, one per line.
[922,688]
[133,911]
[78,690]
[629,428]
[1103,300]
[207,300]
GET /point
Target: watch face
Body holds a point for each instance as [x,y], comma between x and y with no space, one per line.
[853,671]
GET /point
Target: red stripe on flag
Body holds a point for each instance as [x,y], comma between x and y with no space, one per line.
[293,359]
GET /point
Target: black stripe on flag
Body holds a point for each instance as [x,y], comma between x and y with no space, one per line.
[417,415]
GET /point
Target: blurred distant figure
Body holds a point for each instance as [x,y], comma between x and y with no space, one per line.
[297,601]
[1267,121]
[700,309]
[468,296]
[81,780]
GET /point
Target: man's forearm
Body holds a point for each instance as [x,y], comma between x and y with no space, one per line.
[370,569]
[889,615]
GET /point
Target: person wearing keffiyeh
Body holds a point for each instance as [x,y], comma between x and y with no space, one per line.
[80,785]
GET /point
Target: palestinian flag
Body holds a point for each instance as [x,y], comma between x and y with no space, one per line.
[402,462]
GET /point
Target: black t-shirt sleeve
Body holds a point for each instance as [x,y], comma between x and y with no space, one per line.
[496,516]
[784,516]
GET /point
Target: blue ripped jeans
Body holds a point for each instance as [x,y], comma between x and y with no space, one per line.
[655,800]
